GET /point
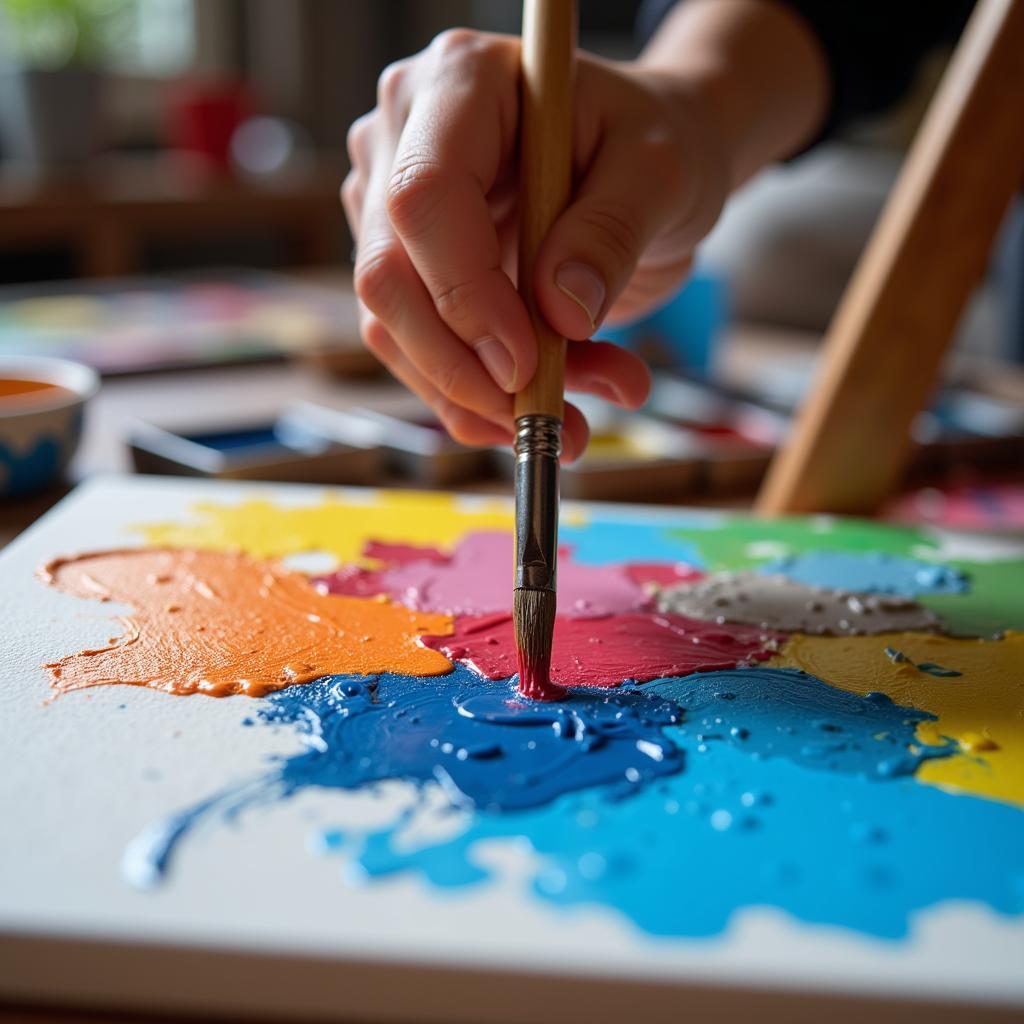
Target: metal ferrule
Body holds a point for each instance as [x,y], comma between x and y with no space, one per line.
[538,445]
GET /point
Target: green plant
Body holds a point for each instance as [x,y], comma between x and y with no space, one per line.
[56,33]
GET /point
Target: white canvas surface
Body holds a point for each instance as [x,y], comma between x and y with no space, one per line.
[80,776]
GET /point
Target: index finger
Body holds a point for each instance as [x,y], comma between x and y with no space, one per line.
[459,133]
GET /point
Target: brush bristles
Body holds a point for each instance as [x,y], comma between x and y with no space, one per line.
[533,613]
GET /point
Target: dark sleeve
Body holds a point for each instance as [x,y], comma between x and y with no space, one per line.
[873,47]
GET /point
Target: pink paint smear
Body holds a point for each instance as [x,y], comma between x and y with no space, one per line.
[476,579]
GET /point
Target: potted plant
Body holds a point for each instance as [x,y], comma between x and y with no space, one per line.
[50,57]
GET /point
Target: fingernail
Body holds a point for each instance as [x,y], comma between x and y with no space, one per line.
[499,362]
[584,286]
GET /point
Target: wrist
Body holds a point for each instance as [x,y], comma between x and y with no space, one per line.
[752,70]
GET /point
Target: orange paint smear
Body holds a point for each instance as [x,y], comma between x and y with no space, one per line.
[221,623]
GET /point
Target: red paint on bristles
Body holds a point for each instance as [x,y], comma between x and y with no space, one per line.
[533,612]
[535,678]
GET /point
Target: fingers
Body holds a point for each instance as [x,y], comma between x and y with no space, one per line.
[603,369]
[575,433]
[458,138]
[389,287]
[593,249]
[431,202]
[464,426]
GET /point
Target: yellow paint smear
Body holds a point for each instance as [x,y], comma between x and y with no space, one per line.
[265,529]
[221,623]
[982,709]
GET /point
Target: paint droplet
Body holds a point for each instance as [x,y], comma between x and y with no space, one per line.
[721,820]
[552,881]
[592,866]
[976,743]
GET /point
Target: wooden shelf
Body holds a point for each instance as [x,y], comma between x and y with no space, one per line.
[119,205]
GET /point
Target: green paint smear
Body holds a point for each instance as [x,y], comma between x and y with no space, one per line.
[996,598]
[728,548]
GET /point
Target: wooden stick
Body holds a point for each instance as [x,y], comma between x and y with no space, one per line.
[930,248]
[545,162]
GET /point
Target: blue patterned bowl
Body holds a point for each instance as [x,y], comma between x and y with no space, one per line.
[40,431]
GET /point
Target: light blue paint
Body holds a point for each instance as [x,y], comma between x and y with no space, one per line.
[873,573]
[684,855]
[773,790]
[608,543]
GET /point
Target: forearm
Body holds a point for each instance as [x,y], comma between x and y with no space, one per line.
[758,69]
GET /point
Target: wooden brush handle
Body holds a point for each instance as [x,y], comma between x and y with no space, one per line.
[545,176]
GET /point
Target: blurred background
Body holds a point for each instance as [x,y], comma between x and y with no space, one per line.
[169,215]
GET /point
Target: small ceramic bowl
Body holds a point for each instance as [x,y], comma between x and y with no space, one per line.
[40,430]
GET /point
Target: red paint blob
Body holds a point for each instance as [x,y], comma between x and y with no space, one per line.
[403,554]
[663,574]
[608,651]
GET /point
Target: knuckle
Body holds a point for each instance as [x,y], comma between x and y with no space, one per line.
[358,139]
[454,302]
[412,195]
[454,42]
[450,379]
[350,195]
[391,84]
[374,277]
[376,338]
[615,230]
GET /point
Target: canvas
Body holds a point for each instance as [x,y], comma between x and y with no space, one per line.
[271,733]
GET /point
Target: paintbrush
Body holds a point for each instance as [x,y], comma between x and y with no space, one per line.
[545,177]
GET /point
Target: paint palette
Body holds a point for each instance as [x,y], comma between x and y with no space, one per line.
[262,753]
[294,447]
[137,325]
[417,449]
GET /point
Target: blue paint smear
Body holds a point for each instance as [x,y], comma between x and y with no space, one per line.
[873,573]
[780,712]
[608,542]
[768,787]
[483,746]
[684,855]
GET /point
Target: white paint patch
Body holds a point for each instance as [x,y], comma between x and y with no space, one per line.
[777,602]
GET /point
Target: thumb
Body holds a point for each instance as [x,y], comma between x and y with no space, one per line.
[592,250]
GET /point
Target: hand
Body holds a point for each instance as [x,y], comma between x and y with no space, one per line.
[431,200]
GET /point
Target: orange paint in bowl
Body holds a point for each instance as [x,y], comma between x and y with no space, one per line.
[41,406]
[31,391]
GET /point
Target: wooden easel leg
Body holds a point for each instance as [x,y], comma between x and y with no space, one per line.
[885,345]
